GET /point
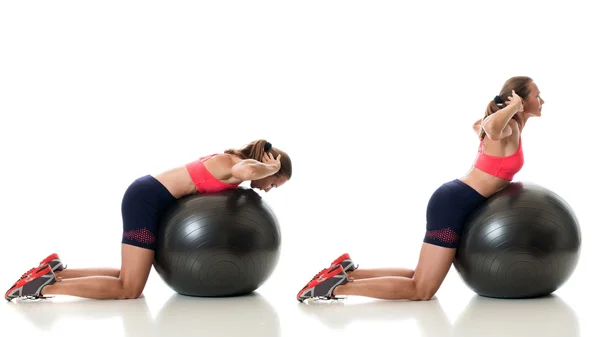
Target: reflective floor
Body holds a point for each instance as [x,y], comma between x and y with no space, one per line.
[271,311]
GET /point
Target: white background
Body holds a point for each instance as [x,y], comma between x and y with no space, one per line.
[373,100]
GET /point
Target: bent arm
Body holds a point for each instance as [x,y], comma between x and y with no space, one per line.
[250,169]
[496,125]
[477,126]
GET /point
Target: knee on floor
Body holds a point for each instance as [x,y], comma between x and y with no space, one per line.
[424,294]
[131,291]
[131,294]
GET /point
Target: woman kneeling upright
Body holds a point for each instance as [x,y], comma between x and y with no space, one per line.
[499,158]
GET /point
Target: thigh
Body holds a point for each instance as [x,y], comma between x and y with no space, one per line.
[432,268]
[136,263]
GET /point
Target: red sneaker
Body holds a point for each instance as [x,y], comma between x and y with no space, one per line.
[344,260]
[30,285]
[54,262]
[323,285]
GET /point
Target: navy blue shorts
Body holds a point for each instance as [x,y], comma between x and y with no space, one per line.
[144,203]
[448,209]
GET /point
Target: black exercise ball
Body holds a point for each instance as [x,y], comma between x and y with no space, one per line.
[523,242]
[218,244]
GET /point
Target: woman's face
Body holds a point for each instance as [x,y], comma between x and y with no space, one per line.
[533,105]
[268,183]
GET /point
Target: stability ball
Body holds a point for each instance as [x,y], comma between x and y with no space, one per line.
[218,244]
[523,242]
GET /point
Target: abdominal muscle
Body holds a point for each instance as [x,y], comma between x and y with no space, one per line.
[484,183]
[177,181]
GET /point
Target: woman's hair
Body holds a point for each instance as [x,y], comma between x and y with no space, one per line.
[256,149]
[520,84]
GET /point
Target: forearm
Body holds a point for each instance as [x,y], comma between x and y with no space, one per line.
[251,169]
[261,170]
[495,123]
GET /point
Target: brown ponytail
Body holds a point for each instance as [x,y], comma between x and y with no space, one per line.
[254,150]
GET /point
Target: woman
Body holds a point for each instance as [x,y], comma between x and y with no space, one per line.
[499,158]
[143,203]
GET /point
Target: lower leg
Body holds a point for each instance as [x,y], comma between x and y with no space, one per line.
[432,268]
[386,288]
[380,272]
[86,272]
[94,287]
[136,263]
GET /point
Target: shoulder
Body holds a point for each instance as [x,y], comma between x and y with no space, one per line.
[220,165]
[514,138]
[218,161]
[225,159]
[514,125]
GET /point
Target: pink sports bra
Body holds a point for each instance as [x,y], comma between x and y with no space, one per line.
[203,179]
[502,167]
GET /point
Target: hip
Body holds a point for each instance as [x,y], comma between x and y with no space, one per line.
[148,191]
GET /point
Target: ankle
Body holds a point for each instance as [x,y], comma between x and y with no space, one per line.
[339,290]
[46,290]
